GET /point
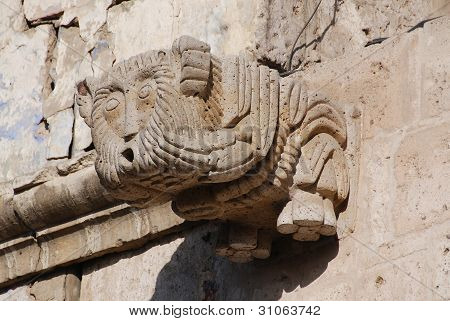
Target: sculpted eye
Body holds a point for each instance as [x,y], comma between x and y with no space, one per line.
[112,104]
[145,91]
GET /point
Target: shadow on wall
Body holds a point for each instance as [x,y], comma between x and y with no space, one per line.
[196,273]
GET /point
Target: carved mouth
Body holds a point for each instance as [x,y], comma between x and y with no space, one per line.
[128,154]
[126,159]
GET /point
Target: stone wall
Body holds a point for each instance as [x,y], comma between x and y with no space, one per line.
[382,61]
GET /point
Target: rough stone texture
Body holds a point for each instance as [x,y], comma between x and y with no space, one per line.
[82,138]
[91,15]
[38,9]
[59,286]
[229,26]
[73,63]
[338,27]
[60,136]
[255,139]
[22,80]
[400,244]
[109,231]
[11,19]
[399,211]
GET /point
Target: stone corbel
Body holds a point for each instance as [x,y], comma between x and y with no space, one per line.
[222,138]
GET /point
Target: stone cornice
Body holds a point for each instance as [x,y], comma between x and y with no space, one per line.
[116,229]
[52,196]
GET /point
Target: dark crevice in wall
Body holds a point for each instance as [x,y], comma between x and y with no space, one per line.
[419,25]
[422,23]
[89,148]
[272,64]
[51,19]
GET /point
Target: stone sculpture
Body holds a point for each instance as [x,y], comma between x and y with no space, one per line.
[224,139]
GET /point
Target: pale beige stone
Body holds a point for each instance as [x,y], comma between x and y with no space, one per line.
[229,26]
[73,63]
[82,137]
[109,231]
[62,285]
[37,9]
[147,154]
[422,174]
[11,19]
[60,134]
[91,15]
[22,81]
[171,268]
[393,227]
[336,29]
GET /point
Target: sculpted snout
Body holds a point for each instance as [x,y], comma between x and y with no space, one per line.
[131,121]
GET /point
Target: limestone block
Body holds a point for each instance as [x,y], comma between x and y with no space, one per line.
[435,62]
[102,58]
[91,15]
[22,79]
[82,138]
[36,9]
[63,285]
[49,288]
[11,19]
[76,194]
[337,28]
[8,222]
[169,268]
[111,230]
[60,136]
[73,63]
[18,293]
[422,173]
[229,26]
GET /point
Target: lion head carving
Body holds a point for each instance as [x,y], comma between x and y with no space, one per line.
[221,138]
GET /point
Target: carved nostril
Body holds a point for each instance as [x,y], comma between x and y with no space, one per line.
[128,154]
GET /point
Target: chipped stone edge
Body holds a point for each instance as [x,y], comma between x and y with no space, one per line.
[113,230]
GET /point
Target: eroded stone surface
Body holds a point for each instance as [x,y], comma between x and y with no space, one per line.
[59,286]
[91,15]
[60,134]
[73,63]
[111,230]
[23,77]
[400,93]
[337,28]
[229,26]
[166,120]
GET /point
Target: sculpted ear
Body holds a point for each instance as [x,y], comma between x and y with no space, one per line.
[195,60]
[83,98]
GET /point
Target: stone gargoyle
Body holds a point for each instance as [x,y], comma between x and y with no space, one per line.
[222,138]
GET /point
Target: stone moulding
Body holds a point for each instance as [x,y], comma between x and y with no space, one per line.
[113,230]
[51,197]
[221,138]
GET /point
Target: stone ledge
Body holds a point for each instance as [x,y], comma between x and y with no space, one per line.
[113,230]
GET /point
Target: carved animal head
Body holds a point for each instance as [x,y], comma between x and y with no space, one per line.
[144,116]
[221,138]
